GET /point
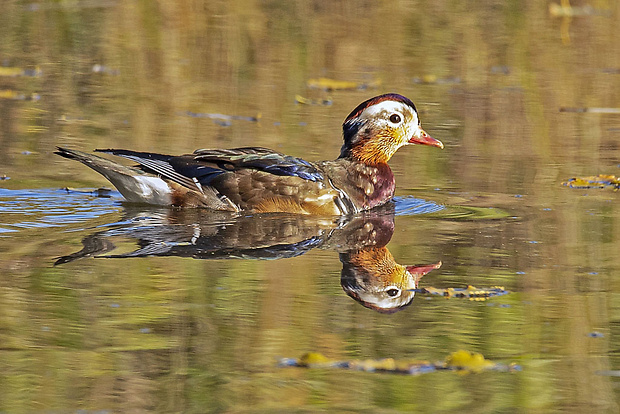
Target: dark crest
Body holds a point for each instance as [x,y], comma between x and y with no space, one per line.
[386,97]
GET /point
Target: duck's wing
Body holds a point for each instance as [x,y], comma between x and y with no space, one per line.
[201,167]
[250,178]
[262,159]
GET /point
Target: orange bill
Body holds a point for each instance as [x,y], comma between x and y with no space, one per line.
[425,139]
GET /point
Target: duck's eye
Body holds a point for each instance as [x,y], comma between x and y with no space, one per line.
[392,292]
[395,118]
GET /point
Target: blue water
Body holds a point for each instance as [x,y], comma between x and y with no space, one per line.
[43,208]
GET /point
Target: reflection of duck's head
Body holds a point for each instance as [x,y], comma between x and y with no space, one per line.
[373,278]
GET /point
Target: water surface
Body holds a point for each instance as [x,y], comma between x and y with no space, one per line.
[110,307]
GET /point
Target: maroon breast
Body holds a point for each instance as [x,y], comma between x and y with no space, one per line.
[383,186]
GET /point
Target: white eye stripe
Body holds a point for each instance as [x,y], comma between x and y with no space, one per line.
[389,108]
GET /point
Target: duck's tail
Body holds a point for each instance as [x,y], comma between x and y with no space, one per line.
[103,166]
[132,183]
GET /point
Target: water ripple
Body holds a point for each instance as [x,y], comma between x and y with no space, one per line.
[45,208]
[409,205]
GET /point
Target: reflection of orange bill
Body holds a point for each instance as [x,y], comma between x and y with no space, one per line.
[420,271]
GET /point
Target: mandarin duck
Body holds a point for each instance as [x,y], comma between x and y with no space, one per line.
[261,180]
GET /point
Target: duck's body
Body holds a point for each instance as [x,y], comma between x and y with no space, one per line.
[261,180]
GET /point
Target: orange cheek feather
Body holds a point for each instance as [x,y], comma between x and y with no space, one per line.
[378,150]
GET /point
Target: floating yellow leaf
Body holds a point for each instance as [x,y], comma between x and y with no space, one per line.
[307,101]
[432,79]
[13,71]
[313,358]
[468,361]
[332,84]
[595,181]
[4,71]
[471,292]
[11,94]
[385,364]
[462,361]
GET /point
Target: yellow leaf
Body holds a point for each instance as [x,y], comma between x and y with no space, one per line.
[595,181]
[6,71]
[468,361]
[312,358]
[8,94]
[332,84]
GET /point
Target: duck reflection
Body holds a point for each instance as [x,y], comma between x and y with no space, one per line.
[370,275]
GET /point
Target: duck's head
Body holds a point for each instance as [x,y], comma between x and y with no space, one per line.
[378,127]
